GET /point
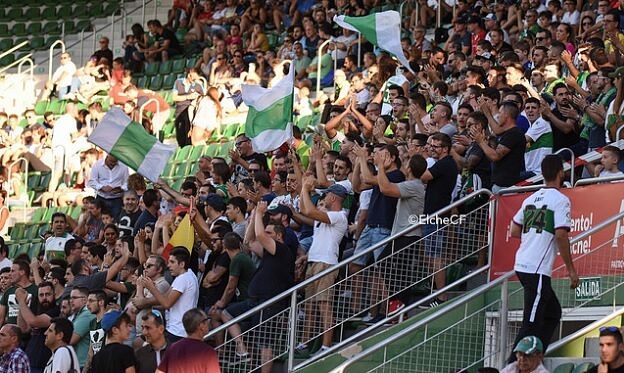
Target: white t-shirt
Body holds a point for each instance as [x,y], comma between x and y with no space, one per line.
[386,105]
[327,238]
[70,69]
[61,361]
[541,137]
[62,131]
[55,246]
[540,215]
[603,173]
[185,284]
[571,18]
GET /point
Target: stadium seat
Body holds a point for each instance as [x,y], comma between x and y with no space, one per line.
[182,153]
[81,11]
[7,60]
[84,25]
[34,29]
[37,216]
[64,13]
[168,170]
[156,83]
[178,66]
[212,150]
[12,15]
[142,82]
[111,8]
[19,29]
[96,10]
[37,43]
[17,232]
[49,14]
[44,182]
[177,184]
[57,107]
[5,44]
[196,152]
[51,28]
[33,179]
[165,67]
[151,69]
[31,15]
[583,367]
[4,31]
[191,62]
[169,82]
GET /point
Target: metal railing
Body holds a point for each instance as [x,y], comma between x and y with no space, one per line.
[319,64]
[51,60]
[276,322]
[480,327]
[572,167]
[10,177]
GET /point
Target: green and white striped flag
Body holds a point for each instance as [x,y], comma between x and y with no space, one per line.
[269,120]
[128,141]
[381,29]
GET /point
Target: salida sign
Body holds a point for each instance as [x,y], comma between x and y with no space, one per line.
[590,205]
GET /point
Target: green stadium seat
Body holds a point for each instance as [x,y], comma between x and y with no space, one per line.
[151,69]
[37,43]
[564,368]
[191,62]
[19,29]
[57,107]
[19,41]
[17,232]
[111,8]
[75,212]
[12,15]
[156,83]
[51,28]
[34,29]
[84,25]
[178,66]
[7,60]
[5,44]
[96,10]
[230,131]
[33,179]
[70,26]
[142,82]
[81,11]
[165,67]
[37,215]
[49,13]
[169,82]
[583,367]
[212,150]
[40,107]
[180,34]
[182,153]
[180,169]
[51,40]
[30,15]
[4,31]
[64,13]
[167,94]
[35,249]
[224,149]
[44,182]
[196,152]
[168,130]
[168,169]
[32,231]
[13,247]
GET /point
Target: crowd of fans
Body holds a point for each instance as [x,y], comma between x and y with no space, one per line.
[479,107]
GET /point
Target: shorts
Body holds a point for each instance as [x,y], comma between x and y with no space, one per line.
[268,328]
[306,243]
[321,290]
[370,236]
[434,240]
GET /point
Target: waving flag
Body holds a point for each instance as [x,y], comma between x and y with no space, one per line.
[128,141]
[269,120]
[183,236]
[381,29]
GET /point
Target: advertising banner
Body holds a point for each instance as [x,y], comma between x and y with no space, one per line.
[591,205]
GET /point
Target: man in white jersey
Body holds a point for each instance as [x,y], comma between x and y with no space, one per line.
[542,224]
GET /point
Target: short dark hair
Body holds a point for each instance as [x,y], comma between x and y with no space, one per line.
[124,317]
[480,118]
[612,331]
[63,325]
[189,185]
[613,149]
[443,138]
[100,295]
[23,266]
[558,86]
[239,203]
[149,197]
[98,251]
[231,241]
[394,152]
[262,178]
[58,215]
[417,165]
[398,88]
[192,319]
[57,274]
[182,255]
[552,164]
[81,289]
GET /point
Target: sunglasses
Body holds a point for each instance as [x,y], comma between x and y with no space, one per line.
[157,314]
[612,329]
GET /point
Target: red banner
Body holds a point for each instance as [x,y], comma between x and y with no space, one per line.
[590,206]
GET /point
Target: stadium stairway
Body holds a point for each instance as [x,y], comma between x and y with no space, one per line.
[478,328]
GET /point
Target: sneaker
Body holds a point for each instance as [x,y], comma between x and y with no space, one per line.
[367,318]
[239,358]
[434,303]
[394,306]
[320,350]
[301,351]
[360,316]
[375,320]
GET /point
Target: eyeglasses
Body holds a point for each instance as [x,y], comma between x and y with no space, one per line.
[540,38]
[220,58]
[148,266]
[239,143]
[587,23]
[238,55]
[253,170]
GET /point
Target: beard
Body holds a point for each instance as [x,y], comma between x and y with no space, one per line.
[45,306]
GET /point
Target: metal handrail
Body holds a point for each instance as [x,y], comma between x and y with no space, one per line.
[571,162]
[32,66]
[597,180]
[318,65]
[465,299]
[521,189]
[385,321]
[63,49]
[302,285]
[10,174]
[13,49]
[584,330]
[142,108]
[95,32]
[16,62]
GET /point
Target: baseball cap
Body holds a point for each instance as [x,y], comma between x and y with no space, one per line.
[618,73]
[338,190]
[474,19]
[215,201]
[110,318]
[529,345]
[486,56]
[490,17]
[280,209]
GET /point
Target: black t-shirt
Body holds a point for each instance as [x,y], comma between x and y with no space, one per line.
[126,222]
[506,172]
[382,208]
[483,168]
[113,358]
[174,44]
[36,350]
[146,359]
[107,53]
[440,188]
[619,369]
[274,274]
[212,294]
[145,218]
[562,140]
[240,172]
